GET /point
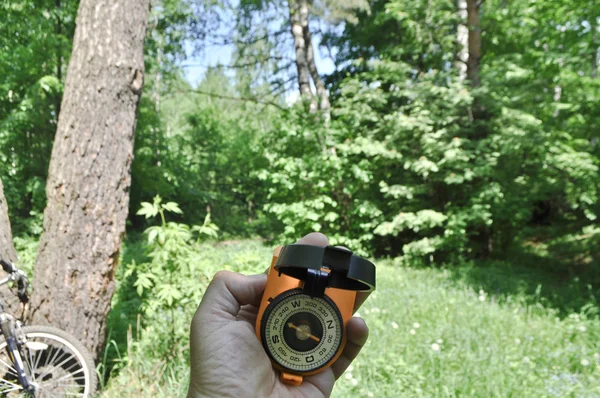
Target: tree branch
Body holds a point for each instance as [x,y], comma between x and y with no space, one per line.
[227,97]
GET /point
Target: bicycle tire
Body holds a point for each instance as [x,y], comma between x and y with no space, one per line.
[46,341]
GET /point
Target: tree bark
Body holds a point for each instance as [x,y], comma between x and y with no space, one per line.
[299,17]
[595,49]
[90,171]
[474,42]
[58,53]
[322,94]
[462,39]
[7,249]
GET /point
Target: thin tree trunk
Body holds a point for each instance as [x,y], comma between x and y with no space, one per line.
[462,38]
[322,94]
[595,49]
[7,252]
[298,15]
[7,249]
[58,54]
[90,170]
[474,42]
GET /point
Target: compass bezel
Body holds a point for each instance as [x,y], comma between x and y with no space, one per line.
[333,353]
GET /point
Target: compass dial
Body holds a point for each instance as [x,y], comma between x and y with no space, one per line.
[301,333]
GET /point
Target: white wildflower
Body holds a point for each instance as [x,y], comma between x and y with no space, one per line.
[585,362]
[370,394]
[582,328]
[435,347]
[348,376]
[413,331]
[394,325]
[526,360]
[357,315]
[416,325]
[439,341]
[354,382]
[517,341]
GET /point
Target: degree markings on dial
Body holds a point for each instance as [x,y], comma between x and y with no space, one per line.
[328,343]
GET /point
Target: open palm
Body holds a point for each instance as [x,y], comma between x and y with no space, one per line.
[227,359]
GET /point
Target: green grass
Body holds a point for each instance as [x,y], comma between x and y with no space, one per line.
[484,332]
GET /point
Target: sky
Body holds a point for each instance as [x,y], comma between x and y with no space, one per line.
[195,66]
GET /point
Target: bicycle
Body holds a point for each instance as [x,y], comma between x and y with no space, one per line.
[40,361]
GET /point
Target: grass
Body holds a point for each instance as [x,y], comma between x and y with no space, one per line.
[465,331]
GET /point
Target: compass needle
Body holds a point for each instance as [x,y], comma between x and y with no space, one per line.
[304,332]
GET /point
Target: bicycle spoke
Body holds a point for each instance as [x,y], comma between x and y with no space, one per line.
[31,366]
[37,358]
[13,370]
[15,386]
[55,367]
[46,357]
[69,375]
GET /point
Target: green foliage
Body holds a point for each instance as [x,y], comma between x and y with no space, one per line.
[34,53]
[148,355]
[202,151]
[313,187]
[164,281]
[417,162]
[464,336]
[485,330]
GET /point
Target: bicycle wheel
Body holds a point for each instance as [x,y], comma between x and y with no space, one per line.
[56,363]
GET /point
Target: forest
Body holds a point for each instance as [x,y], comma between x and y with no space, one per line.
[455,143]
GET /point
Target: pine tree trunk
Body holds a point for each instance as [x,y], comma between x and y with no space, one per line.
[462,39]
[298,16]
[7,250]
[474,42]
[90,171]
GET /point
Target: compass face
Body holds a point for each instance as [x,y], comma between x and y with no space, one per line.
[301,333]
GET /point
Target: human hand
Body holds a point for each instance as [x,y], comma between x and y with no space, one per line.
[228,360]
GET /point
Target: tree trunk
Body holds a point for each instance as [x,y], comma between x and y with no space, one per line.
[298,17]
[90,171]
[594,46]
[474,42]
[462,38]
[322,94]
[58,53]
[7,250]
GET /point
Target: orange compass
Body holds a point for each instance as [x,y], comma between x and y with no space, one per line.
[306,306]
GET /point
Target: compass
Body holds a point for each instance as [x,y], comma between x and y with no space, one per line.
[302,333]
[307,303]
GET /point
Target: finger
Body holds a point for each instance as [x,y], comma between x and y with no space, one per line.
[228,291]
[315,239]
[358,332]
[317,385]
[248,313]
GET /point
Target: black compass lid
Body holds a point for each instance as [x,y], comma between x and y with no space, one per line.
[347,271]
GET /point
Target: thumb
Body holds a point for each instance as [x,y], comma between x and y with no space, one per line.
[228,291]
